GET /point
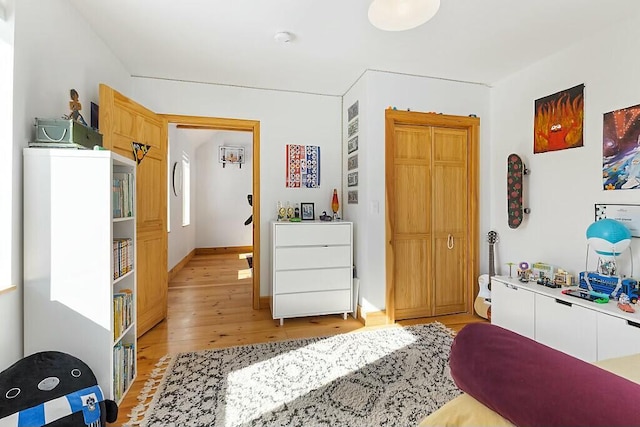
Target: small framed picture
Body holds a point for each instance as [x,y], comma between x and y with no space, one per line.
[352,179]
[308,213]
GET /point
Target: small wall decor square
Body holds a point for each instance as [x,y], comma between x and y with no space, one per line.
[352,197]
[352,179]
[558,120]
[353,128]
[620,149]
[352,162]
[352,144]
[352,112]
[303,166]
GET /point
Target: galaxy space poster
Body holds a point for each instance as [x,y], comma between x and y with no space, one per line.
[621,149]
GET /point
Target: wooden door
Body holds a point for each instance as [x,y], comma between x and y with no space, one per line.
[431,211]
[123,121]
[449,212]
[411,210]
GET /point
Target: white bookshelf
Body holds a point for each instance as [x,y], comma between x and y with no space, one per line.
[69,261]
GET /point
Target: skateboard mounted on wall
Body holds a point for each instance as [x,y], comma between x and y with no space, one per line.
[515,174]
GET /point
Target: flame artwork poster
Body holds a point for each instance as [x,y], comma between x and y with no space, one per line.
[558,121]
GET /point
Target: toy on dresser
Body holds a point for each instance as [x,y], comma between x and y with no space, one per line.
[609,239]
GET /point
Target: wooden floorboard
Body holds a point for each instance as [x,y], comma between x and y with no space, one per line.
[209,307]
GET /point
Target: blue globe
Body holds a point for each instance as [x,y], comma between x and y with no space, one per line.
[608,237]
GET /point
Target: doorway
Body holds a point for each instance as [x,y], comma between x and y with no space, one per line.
[239,125]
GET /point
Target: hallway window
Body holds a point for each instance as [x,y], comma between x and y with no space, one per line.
[186,190]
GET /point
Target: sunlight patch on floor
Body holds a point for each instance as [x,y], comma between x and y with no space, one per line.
[245,274]
[286,377]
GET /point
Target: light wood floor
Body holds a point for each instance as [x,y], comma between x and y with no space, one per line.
[210,307]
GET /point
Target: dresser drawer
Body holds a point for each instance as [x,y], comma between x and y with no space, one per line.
[312,257]
[311,303]
[566,326]
[312,234]
[312,280]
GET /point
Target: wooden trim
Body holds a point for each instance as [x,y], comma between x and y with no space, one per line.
[389,131]
[211,123]
[179,266]
[224,250]
[265,302]
[8,289]
[217,123]
[472,125]
[371,318]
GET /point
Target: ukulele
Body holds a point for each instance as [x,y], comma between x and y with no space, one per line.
[482,304]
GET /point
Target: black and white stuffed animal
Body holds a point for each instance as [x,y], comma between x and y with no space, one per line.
[52,389]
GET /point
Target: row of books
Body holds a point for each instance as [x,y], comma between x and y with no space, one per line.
[123,252]
[123,368]
[123,194]
[122,311]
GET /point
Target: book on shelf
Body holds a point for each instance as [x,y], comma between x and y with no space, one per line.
[122,311]
[123,368]
[123,252]
[123,194]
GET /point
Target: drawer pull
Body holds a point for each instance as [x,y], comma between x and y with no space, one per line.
[634,324]
[568,304]
[510,286]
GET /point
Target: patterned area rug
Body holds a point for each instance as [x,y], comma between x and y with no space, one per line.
[387,377]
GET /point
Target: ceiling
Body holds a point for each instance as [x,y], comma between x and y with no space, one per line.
[231,42]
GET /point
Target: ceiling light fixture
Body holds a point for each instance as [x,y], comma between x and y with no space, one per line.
[400,15]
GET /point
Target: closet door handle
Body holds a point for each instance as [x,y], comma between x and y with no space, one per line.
[450,242]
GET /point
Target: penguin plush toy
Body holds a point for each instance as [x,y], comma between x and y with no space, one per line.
[53,389]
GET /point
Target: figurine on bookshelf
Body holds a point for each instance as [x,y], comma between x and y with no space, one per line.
[75,106]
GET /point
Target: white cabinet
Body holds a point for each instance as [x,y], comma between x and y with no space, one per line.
[565,326]
[617,336]
[311,268]
[79,269]
[514,309]
[581,328]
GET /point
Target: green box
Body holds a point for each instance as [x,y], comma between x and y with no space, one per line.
[65,132]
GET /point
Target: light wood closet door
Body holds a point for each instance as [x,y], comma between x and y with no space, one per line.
[431,187]
[449,210]
[412,221]
[123,121]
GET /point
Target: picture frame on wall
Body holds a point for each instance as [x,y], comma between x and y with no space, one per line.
[307,211]
[352,111]
[352,198]
[352,162]
[352,129]
[352,145]
[352,179]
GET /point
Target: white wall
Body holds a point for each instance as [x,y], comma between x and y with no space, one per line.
[54,51]
[563,185]
[380,90]
[222,205]
[285,118]
[181,240]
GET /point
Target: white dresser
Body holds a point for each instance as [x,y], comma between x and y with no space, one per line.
[311,268]
[581,328]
